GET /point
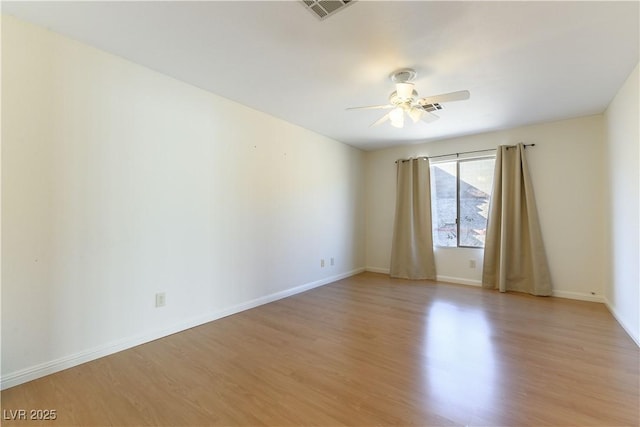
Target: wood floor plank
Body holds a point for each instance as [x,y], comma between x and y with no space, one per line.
[367,350]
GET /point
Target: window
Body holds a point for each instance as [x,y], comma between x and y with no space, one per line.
[460,194]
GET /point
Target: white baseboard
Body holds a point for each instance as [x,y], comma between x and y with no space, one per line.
[616,316]
[556,293]
[34,372]
[439,278]
[459,280]
[472,282]
[577,295]
[377,270]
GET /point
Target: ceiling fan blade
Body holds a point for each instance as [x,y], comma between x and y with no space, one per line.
[429,117]
[380,120]
[445,97]
[372,107]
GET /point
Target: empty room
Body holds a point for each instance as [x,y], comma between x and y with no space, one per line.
[320,213]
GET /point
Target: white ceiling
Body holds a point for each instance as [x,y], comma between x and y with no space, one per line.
[523,62]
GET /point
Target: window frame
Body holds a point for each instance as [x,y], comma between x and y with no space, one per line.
[457,161]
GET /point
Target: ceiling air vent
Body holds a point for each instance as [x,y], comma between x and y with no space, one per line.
[324,8]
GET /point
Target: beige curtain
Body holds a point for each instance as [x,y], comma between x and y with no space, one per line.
[412,246]
[514,256]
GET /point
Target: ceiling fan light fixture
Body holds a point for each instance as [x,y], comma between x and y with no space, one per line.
[396,116]
[416,114]
[397,124]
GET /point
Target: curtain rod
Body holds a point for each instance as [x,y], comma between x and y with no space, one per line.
[464,152]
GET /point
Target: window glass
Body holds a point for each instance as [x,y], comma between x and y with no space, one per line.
[443,204]
[460,195]
[476,179]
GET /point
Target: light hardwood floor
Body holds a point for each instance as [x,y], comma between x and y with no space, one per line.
[364,351]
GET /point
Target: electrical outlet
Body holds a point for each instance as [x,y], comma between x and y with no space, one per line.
[472,263]
[161,299]
[322,263]
[332,262]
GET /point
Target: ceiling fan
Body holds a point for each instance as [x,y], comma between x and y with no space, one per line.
[405,100]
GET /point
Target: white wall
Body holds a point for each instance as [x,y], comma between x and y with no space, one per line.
[119,182]
[622,120]
[568,176]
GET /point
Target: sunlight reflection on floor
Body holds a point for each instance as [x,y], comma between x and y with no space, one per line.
[462,380]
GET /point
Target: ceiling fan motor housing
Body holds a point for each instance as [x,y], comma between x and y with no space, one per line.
[394,99]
